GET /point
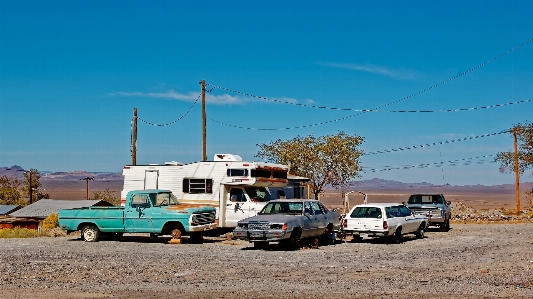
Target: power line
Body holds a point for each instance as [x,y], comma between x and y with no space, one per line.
[434,143]
[346,117]
[173,122]
[465,161]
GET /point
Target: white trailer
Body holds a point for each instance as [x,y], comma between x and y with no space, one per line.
[235,187]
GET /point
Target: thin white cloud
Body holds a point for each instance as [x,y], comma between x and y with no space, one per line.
[210,98]
[402,73]
[189,97]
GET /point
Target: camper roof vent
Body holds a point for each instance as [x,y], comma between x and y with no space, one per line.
[173,163]
[227,157]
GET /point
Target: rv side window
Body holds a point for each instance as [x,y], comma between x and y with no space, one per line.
[280,174]
[195,186]
[237,172]
[261,173]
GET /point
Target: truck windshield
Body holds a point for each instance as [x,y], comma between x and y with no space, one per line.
[165,199]
[257,194]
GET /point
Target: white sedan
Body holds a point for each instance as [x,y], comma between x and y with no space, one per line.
[383,220]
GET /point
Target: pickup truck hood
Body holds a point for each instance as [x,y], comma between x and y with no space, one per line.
[191,208]
[277,218]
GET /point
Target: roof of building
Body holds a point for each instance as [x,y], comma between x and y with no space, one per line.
[44,207]
[6,209]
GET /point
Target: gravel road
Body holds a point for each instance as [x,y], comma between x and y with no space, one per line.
[469,261]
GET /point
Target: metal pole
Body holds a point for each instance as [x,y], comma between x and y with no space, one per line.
[204,147]
[517,175]
[134,141]
[31,189]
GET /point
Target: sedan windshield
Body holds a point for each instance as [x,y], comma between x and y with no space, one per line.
[287,208]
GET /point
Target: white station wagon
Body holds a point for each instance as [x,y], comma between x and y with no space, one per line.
[389,220]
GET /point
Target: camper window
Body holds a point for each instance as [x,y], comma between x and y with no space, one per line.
[195,186]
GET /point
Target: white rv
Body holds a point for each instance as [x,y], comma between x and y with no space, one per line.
[236,188]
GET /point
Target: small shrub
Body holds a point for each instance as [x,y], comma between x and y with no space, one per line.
[18,232]
[50,222]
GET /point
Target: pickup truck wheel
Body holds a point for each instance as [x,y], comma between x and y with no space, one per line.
[176,233]
[447,228]
[420,232]
[90,234]
[396,238]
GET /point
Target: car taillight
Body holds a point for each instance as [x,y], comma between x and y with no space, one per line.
[385,225]
[345,223]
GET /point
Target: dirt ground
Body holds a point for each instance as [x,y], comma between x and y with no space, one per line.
[469,261]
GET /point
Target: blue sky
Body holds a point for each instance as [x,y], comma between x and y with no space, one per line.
[71,73]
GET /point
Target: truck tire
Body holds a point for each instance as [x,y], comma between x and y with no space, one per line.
[90,233]
[420,231]
[176,233]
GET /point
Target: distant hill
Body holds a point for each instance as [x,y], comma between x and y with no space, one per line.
[18,172]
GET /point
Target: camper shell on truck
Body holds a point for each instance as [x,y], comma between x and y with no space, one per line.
[157,212]
[236,188]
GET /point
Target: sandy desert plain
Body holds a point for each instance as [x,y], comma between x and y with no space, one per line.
[478,197]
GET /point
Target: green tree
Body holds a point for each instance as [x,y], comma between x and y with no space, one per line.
[10,191]
[326,160]
[524,136]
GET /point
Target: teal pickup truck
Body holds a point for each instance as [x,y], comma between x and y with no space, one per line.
[157,212]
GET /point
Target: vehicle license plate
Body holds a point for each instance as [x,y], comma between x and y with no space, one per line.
[256,235]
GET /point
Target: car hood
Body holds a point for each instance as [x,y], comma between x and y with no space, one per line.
[277,218]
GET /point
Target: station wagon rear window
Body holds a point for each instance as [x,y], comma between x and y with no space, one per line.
[367,212]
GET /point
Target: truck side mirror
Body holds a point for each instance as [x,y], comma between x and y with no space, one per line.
[138,209]
[448,202]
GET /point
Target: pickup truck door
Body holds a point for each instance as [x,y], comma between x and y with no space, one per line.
[138,214]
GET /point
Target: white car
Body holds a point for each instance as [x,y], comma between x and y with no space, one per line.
[388,220]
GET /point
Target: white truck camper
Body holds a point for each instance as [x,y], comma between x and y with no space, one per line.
[238,189]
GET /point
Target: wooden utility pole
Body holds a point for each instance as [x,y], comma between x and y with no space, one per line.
[134,139]
[204,147]
[517,174]
[87,179]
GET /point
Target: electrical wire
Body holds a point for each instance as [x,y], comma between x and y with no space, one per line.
[347,117]
[434,143]
[173,122]
[465,161]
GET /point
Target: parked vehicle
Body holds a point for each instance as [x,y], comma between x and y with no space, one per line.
[237,189]
[387,220]
[434,206]
[289,221]
[157,212]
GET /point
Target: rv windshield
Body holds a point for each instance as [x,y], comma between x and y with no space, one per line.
[258,194]
[165,199]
